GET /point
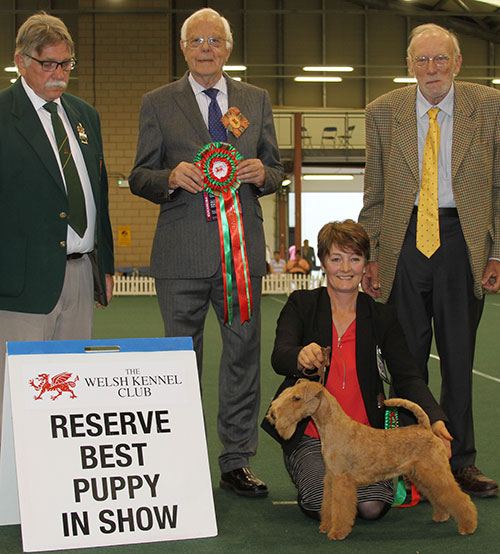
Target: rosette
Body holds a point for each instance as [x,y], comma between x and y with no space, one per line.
[218,161]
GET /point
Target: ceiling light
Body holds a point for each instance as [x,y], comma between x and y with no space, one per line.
[404,80]
[495,3]
[318,79]
[11,69]
[496,81]
[285,183]
[13,81]
[327,68]
[236,78]
[234,68]
[326,177]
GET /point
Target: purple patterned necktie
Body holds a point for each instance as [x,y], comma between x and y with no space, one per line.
[219,134]
[215,126]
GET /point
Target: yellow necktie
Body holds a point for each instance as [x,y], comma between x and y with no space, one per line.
[428,214]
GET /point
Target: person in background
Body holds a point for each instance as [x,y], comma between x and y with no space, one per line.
[298,264]
[277,264]
[309,255]
[176,122]
[432,212]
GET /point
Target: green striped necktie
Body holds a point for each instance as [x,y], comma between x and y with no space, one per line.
[76,198]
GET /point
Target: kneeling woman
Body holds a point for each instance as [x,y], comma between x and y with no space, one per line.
[355,327]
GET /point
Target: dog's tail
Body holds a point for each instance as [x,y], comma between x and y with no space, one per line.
[422,417]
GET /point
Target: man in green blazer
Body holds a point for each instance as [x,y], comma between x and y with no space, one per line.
[444,291]
[50,271]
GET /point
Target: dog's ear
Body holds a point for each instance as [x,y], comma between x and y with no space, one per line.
[312,390]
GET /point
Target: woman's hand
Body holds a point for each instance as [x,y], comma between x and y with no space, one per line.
[439,429]
[312,356]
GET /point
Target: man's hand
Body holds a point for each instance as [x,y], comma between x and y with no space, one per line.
[370,282]
[312,356]
[110,284]
[491,276]
[439,429]
[251,171]
[186,176]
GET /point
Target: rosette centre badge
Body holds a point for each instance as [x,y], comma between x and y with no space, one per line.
[218,161]
[220,169]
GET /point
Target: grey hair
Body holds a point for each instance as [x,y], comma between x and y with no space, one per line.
[42,30]
[416,31]
[201,13]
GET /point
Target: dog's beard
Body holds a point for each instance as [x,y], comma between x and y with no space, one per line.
[285,431]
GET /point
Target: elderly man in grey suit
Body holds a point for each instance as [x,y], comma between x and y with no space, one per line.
[434,221]
[176,121]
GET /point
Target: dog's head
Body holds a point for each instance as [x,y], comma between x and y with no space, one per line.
[293,405]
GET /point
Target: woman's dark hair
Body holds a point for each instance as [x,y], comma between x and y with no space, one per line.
[347,235]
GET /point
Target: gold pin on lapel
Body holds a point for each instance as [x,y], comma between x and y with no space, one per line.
[81,134]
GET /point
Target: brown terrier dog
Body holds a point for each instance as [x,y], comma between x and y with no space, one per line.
[356,455]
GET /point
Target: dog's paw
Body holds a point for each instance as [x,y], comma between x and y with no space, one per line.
[467,527]
[440,515]
[338,534]
[324,528]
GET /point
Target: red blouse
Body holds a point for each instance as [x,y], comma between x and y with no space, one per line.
[342,379]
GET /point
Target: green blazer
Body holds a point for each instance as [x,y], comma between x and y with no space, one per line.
[33,204]
[392,175]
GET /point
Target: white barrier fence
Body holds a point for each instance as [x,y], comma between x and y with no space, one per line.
[134,286]
[271,284]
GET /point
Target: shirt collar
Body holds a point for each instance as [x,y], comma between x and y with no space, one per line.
[446,104]
[221,84]
[38,103]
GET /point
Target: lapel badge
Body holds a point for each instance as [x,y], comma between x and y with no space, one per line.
[235,121]
[81,134]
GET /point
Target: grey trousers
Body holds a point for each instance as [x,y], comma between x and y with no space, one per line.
[184,305]
[71,318]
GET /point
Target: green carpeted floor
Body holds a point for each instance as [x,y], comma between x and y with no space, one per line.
[275,524]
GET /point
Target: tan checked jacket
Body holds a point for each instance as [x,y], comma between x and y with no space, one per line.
[392,175]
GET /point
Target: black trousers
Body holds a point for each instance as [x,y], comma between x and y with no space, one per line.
[436,295]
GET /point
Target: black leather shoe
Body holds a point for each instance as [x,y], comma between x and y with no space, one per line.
[243,482]
[475,483]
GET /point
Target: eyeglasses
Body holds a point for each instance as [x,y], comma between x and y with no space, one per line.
[200,41]
[50,66]
[441,60]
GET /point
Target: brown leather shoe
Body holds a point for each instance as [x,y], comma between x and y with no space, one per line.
[243,482]
[475,483]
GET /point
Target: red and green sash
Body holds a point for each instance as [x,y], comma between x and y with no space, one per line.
[218,161]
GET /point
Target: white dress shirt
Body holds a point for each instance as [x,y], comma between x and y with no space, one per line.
[74,243]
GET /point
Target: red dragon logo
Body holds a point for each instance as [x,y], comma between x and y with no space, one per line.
[60,383]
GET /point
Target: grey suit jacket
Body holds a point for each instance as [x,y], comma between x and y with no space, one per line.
[172,130]
[392,175]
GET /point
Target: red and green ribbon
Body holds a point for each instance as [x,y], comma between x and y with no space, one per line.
[391,422]
[218,161]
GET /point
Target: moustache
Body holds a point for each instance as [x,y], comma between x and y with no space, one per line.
[56,84]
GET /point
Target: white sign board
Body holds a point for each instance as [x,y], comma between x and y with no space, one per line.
[110,446]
